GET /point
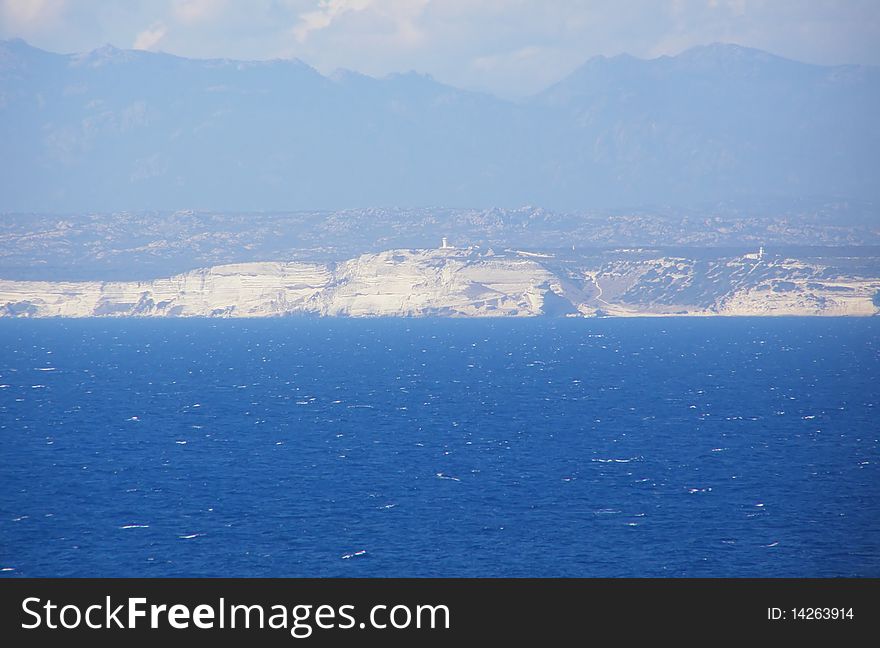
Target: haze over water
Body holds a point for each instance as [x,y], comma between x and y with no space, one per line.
[299,447]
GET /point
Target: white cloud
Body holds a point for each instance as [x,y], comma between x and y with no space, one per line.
[30,13]
[323,17]
[150,37]
[493,62]
[195,11]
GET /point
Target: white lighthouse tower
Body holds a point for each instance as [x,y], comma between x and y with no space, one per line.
[444,245]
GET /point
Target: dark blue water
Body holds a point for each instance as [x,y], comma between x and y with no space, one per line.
[668,447]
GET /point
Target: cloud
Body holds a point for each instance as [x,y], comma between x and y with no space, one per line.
[493,62]
[195,11]
[374,31]
[323,17]
[150,37]
[30,13]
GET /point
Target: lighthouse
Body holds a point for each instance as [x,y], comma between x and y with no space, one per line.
[444,245]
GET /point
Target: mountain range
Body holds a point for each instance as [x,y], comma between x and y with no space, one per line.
[118,129]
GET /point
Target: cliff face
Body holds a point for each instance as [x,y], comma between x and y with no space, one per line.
[249,289]
[461,283]
[441,282]
[394,283]
[733,286]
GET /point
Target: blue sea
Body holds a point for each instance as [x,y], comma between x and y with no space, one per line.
[546,447]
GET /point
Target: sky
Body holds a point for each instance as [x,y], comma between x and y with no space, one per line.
[511,48]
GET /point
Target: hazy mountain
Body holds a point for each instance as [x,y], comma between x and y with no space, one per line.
[114,129]
[716,122]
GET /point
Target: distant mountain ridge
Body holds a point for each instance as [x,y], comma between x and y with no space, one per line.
[119,129]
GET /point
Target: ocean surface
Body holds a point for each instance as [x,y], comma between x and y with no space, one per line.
[331,447]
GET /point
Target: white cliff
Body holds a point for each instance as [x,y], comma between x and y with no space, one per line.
[394,283]
[458,283]
[245,290]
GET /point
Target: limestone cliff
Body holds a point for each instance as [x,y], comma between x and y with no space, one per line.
[462,283]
